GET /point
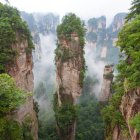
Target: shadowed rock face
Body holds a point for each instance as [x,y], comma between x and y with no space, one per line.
[21,71]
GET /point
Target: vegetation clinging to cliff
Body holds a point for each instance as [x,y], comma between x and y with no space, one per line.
[129,42]
[10,95]
[135,122]
[71,24]
[12,30]
[128,77]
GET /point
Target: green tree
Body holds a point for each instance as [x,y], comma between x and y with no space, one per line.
[10,96]
[129,42]
[71,24]
[12,30]
[135,122]
[134,10]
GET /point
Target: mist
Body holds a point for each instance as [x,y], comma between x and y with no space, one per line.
[95,69]
[44,75]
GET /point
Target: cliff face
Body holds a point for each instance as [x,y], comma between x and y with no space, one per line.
[130,105]
[126,100]
[106,85]
[16,60]
[68,71]
[21,71]
[68,78]
[70,68]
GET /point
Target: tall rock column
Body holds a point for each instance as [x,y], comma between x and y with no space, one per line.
[70,68]
[16,60]
[21,71]
[106,85]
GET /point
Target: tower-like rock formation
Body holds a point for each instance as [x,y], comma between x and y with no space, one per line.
[70,68]
[16,60]
[21,71]
[106,85]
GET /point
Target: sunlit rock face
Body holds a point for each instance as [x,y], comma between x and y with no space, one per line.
[68,71]
[21,71]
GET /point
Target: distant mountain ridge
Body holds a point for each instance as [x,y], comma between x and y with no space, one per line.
[103,38]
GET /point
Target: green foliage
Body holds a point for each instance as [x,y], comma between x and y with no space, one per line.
[49,131]
[71,24]
[108,76]
[10,130]
[81,77]
[11,28]
[134,10]
[129,74]
[111,113]
[27,126]
[135,122]
[90,125]
[66,115]
[64,54]
[129,42]
[10,96]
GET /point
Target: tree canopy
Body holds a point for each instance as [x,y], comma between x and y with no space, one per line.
[134,10]
[11,28]
[70,24]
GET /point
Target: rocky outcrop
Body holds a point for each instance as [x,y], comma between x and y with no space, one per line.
[21,71]
[68,71]
[130,106]
[69,68]
[118,135]
[106,84]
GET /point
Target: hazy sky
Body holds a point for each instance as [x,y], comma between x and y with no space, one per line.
[83,8]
